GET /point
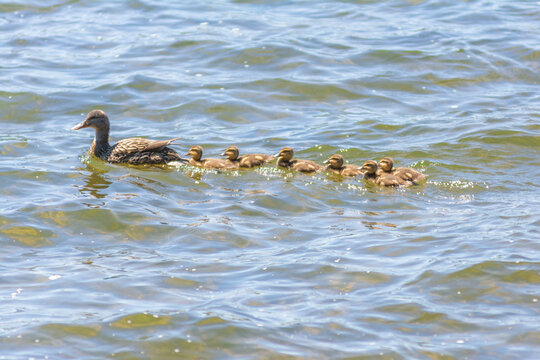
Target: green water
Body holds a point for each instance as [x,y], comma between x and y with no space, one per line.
[108,261]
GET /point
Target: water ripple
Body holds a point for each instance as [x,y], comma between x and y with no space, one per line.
[102,260]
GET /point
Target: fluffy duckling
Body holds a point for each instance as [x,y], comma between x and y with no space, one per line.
[245,161]
[335,165]
[135,151]
[196,154]
[285,159]
[370,173]
[386,166]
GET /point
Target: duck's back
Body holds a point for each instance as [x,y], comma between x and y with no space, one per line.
[211,163]
[305,166]
[389,180]
[408,174]
[252,160]
[137,151]
[133,145]
[350,170]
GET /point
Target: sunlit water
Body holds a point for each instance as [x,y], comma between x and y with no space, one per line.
[107,261]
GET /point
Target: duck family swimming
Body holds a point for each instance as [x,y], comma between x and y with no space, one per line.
[139,151]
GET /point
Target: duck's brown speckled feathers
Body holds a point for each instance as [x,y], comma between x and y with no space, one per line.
[285,160]
[386,167]
[196,160]
[369,170]
[245,161]
[135,151]
[335,165]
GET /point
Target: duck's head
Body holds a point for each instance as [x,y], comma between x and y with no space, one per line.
[369,167]
[96,119]
[286,153]
[231,153]
[335,161]
[195,152]
[386,164]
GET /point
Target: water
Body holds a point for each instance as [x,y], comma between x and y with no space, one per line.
[107,261]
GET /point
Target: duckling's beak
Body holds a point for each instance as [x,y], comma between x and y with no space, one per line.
[224,153]
[327,162]
[80,126]
[188,153]
[277,155]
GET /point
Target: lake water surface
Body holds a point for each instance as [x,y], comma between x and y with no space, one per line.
[108,261]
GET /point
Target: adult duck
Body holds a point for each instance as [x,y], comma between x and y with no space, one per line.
[135,151]
[245,161]
[210,163]
[285,160]
[386,167]
[335,165]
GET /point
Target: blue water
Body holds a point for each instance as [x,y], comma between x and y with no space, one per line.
[112,261]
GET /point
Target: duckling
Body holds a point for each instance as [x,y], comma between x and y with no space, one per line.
[386,166]
[196,154]
[335,165]
[135,151]
[370,173]
[285,159]
[245,161]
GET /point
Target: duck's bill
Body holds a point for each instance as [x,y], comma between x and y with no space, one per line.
[79,126]
[224,154]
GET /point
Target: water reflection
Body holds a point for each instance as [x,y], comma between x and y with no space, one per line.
[144,183]
[194,174]
[377,225]
[94,182]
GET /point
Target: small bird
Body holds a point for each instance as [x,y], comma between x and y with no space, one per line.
[285,159]
[135,151]
[210,163]
[335,165]
[386,166]
[370,173]
[245,161]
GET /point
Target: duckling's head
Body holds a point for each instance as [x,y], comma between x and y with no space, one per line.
[195,152]
[335,161]
[369,167]
[96,119]
[231,153]
[286,153]
[386,164]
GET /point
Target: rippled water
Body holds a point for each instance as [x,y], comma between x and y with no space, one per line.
[108,261]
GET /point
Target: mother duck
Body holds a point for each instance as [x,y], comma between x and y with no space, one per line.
[135,151]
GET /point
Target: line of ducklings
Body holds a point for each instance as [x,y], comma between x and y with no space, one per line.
[383,173]
[139,151]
